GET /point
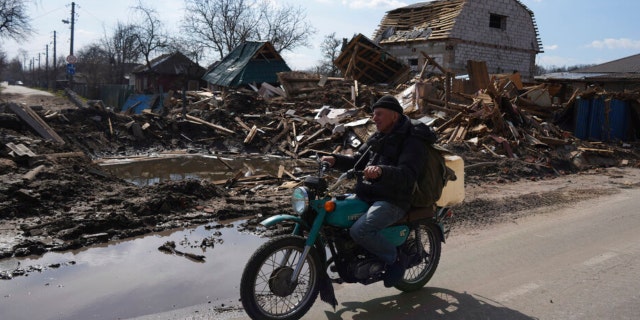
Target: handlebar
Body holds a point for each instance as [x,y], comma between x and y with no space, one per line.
[349,174]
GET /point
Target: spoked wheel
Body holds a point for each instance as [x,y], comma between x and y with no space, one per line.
[267,290]
[421,271]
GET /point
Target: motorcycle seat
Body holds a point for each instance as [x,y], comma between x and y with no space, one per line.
[417,213]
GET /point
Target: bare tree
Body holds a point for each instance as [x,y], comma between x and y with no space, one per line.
[122,48]
[150,35]
[284,26]
[94,61]
[330,51]
[222,25]
[218,25]
[13,70]
[3,60]
[192,49]
[14,22]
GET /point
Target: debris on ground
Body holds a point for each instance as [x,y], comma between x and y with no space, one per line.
[55,197]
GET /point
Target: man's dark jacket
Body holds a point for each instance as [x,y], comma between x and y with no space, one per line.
[401,154]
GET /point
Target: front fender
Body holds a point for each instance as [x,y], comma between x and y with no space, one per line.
[272,221]
[300,225]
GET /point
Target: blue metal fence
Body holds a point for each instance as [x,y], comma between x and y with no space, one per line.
[602,119]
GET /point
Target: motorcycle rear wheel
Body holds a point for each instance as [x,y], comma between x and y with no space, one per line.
[265,289]
[417,276]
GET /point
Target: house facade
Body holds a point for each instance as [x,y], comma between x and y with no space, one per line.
[503,33]
[171,71]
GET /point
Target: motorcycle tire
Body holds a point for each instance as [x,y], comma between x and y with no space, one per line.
[265,289]
[417,276]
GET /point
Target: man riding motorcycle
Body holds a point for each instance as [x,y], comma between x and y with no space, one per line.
[392,159]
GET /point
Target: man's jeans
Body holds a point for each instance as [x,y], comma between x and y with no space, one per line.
[366,231]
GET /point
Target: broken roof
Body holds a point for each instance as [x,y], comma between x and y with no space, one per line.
[406,22]
[368,63]
[248,63]
[433,20]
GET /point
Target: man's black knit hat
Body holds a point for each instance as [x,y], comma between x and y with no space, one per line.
[388,102]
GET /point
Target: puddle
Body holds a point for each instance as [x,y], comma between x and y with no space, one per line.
[149,171]
[130,278]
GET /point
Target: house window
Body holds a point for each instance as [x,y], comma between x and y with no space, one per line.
[413,64]
[498,21]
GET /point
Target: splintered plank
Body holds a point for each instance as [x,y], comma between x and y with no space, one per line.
[34,121]
[209,124]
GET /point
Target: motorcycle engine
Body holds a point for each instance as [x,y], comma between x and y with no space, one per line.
[355,263]
[365,268]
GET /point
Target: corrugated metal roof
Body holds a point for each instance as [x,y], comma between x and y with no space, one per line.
[630,64]
[566,76]
[249,62]
[589,77]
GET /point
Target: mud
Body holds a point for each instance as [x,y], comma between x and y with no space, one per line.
[72,202]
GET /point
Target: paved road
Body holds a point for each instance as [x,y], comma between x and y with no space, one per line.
[581,263]
[22,90]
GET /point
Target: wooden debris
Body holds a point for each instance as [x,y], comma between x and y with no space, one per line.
[365,61]
[602,151]
[209,124]
[33,119]
[33,173]
[251,134]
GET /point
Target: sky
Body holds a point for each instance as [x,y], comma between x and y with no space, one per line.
[573,32]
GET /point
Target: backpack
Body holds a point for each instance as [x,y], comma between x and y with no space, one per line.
[435,174]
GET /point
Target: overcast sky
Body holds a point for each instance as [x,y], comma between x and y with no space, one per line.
[573,32]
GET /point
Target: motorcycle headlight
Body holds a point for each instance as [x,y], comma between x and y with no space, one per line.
[300,200]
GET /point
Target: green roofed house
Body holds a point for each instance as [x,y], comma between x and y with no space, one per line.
[249,63]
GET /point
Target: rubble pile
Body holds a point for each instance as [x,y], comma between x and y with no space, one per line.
[55,198]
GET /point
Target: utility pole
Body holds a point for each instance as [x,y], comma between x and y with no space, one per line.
[71,59]
[73,15]
[55,61]
[46,67]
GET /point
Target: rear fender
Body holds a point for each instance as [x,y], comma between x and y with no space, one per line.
[443,233]
[443,215]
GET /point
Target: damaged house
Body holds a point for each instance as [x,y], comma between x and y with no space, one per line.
[617,75]
[602,100]
[249,63]
[171,71]
[452,32]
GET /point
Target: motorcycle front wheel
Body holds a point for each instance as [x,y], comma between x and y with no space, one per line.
[415,277]
[266,289]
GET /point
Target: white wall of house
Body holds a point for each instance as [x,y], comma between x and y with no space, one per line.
[512,47]
[505,49]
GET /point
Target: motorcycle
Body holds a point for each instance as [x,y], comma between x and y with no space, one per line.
[285,275]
